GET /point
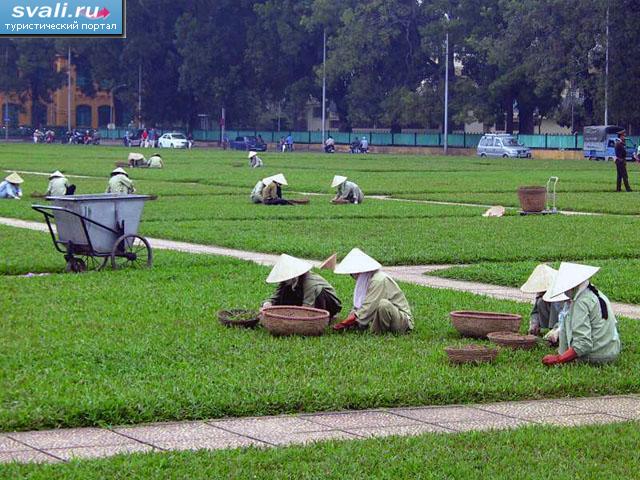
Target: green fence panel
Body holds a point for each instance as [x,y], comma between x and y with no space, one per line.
[428,140]
[532,141]
[406,139]
[456,140]
[267,136]
[382,139]
[472,139]
[341,137]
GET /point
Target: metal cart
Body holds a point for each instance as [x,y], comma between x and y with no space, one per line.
[550,199]
[93,230]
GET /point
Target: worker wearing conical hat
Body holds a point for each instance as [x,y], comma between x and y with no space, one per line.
[272,193]
[136,160]
[120,182]
[378,302]
[544,314]
[254,160]
[10,187]
[155,161]
[346,191]
[256,193]
[59,185]
[298,285]
[589,332]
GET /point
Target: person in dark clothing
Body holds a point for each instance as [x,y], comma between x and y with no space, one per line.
[621,162]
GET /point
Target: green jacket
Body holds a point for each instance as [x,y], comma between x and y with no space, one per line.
[57,187]
[592,337]
[312,286]
[349,191]
[256,193]
[120,184]
[382,286]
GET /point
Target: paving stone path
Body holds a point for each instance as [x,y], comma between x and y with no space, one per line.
[265,432]
[414,274]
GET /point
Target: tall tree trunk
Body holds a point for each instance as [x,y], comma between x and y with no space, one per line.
[508,112]
[525,115]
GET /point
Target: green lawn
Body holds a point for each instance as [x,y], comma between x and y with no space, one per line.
[527,453]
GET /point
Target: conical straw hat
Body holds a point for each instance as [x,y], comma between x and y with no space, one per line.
[357,262]
[338,180]
[119,170]
[288,267]
[540,280]
[252,154]
[558,298]
[329,263]
[56,174]
[279,178]
[571,275]
[135,156]
[14,178]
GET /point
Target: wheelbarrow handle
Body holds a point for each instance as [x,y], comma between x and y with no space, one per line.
[44,210]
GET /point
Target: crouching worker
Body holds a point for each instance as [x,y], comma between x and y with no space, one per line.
[272,193]
[59,185]
[254,160]
[120,182]
[155,161]
[299,286]
[136,160]
[378,302]
[10,187]
[544,313]
[347,192]
[589,331]
[256,193]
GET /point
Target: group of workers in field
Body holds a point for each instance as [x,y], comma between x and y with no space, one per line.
[268,191]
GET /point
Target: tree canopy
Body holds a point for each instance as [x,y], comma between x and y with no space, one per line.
[262,61]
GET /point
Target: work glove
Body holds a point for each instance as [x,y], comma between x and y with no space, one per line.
[349,322]
[552,336]
[567,356]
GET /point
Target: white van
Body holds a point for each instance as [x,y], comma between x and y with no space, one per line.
[502,145]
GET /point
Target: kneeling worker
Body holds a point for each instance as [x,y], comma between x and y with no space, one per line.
[155,161]
[10,187]
[544,314]
[347,192]
[378,302]
[120,182]
[272,193]
[589,331]
[298,285]
[254,160]
[59,185]
[256,193]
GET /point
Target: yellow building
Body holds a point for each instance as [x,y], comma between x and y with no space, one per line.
[86,112]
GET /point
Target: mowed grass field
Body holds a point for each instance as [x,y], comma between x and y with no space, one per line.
[127,347]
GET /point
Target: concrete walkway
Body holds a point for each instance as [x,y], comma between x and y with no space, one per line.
[85,443]
[414,274]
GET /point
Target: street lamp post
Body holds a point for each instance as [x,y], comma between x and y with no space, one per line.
[446,89]
[324,80]
[606,73]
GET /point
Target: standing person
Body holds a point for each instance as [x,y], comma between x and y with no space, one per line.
[254,160]
[59,185]
[283,144]
[190,141]
[347,192]
[144,138]
[272,193]
[119,182]
[621,162]
[589,332]
[544,314]
[299,286]
[10,187]
[364,145]
[289,141]
[378,302]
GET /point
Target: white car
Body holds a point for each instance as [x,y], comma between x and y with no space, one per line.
[173,140]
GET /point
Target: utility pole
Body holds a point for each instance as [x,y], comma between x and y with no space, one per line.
[140,96]
[446,89]
[6,98]
[324,80]
[606,74]
[69,89]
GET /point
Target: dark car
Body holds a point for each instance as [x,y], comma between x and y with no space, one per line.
[134,139]
[248,143]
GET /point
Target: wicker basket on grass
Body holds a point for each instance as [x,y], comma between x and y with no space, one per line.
[471,354]
[532,199]
[513,340]
[290,320]
[479,324]
[238,318]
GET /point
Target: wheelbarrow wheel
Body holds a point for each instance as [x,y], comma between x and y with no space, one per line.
[94,263]
[131,251]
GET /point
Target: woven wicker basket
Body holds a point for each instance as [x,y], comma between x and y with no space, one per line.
[238,318]
[513,340]
[290,320]
[471,354]
[479,324]
[532,199]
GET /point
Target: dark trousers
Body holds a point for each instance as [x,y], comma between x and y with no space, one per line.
[621,167]
[324,301]
[276,201]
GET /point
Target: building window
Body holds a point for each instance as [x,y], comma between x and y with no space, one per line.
[104,115]
[83,116]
